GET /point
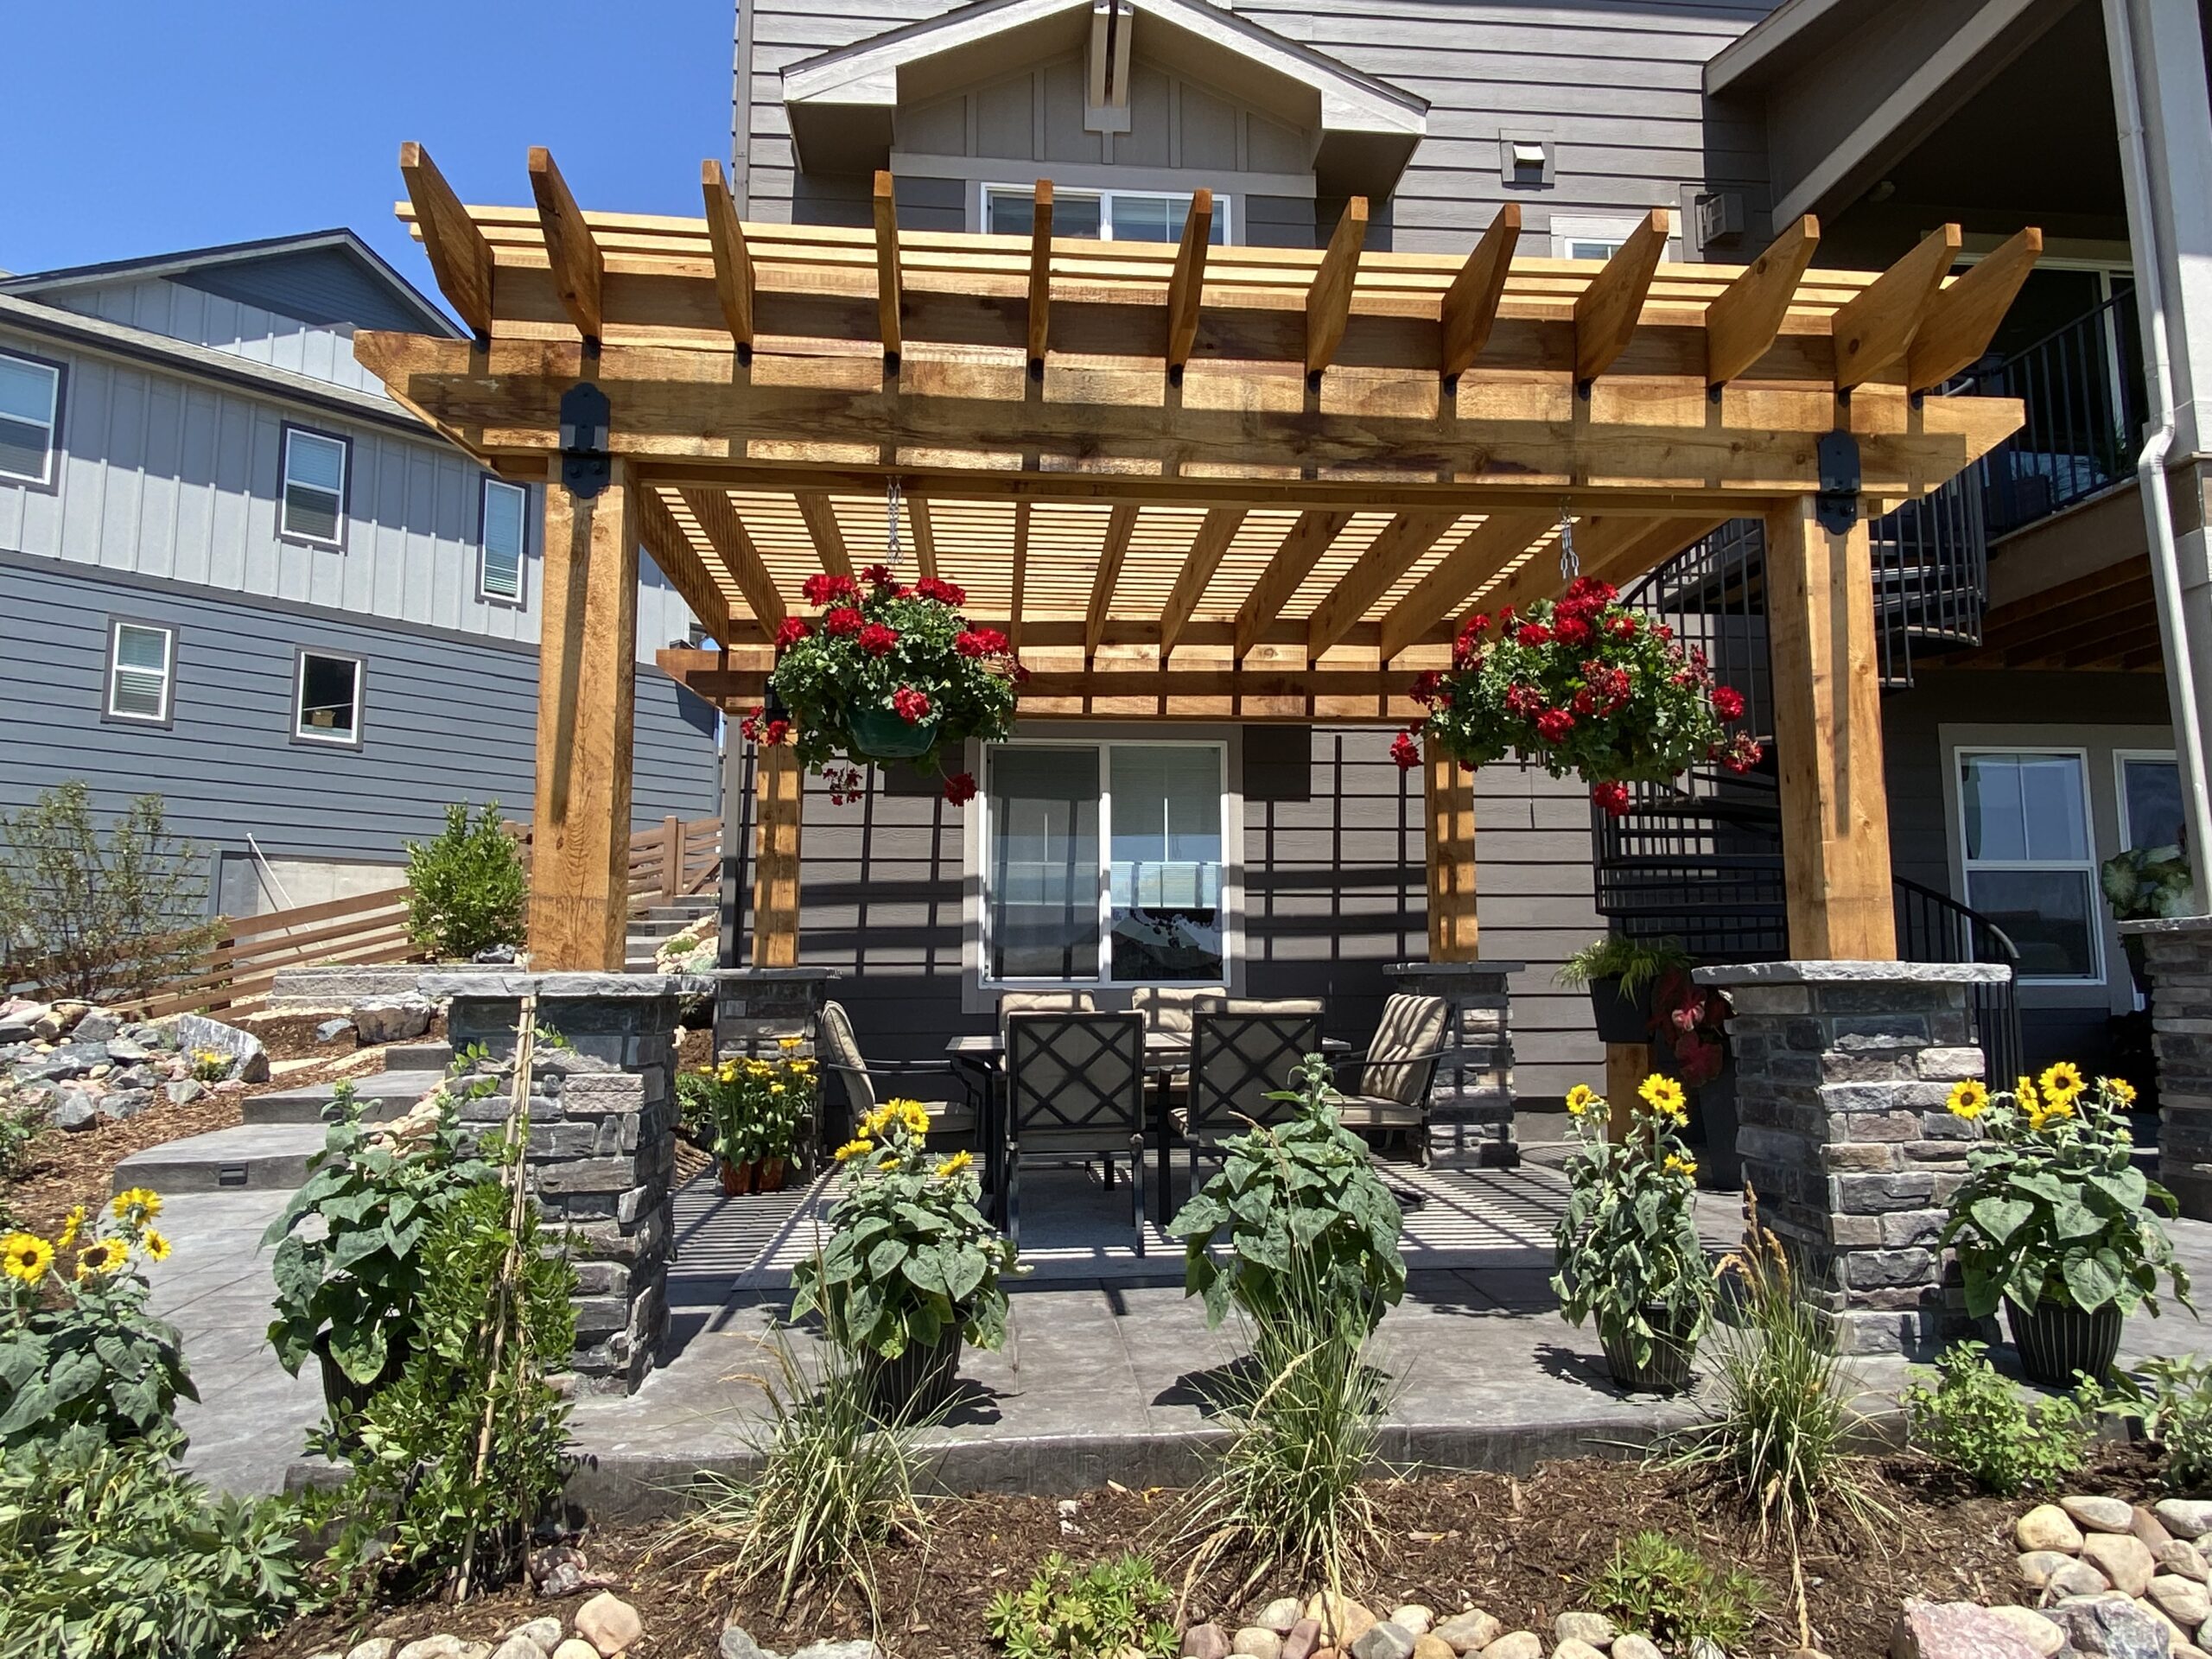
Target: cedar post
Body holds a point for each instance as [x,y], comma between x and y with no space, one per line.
[1453,933]
[778,794]
[1627,1065]
[586,712]
[1828,731]
[672,858]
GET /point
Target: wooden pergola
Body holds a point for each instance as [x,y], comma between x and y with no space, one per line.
[1188,481]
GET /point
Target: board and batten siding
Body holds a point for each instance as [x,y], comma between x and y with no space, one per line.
[164,475]
[1334,885]
[322,351]
[445,717]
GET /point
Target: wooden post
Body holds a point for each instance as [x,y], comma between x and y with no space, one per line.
[777,792]
[587,675]
[1627,1065]
[672,858]
[1828,732]
[1453,931]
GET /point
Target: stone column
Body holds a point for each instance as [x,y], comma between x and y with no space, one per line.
[1843,1073]
[1474,1082]
[756,1008]
[602,1139]
[2179,955]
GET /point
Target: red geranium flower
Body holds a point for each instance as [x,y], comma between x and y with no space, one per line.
[821,589]
[791,630]
[844,621]
[1742,752]
[944,593]
[749,726]
[1478,623]
[960,786]
[878,575]
[1523,700]
[1534,633]
[1622,626]
[1612,797]
[1426,686]
[1554,724]
[878,640]
[1727,702]
[980,642]
[775,732]
[1586,702]
[1571,629]
[911,706]
[1405,750]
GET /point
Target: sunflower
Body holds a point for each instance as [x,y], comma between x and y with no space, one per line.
[1581,1098]
[73,1228]
[953,1165]
[726,1072]
[2121,1089]
[25,1257]
[1664,1095]
[860,1147]
[146,1204]
[913,1116]
[880,1120]
[102,1256]
[1678,1164]
[2025,1095]
[157,1247]
[2061,1083]
[1969,1099]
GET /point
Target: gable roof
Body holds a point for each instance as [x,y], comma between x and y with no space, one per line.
[332,274]
[841,103]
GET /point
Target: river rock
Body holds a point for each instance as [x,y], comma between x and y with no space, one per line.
[74,1109]
[1412,1617]
[96,1027]
[859,1648]
[2183,1600]
[544,1633]
[1302,1639]
[2111,1627]
[444,1645]
[184,1090]
[331,1030]
[1257,1641]
[1955,1629]
[2183,1559]
[2184,1517]
[1636,1645]
[2036,1567]
[1470,1631]
[2045,1637]
[2099,1514]
[2047,1526]
[2121,1557]
[2076,1578]
[1205,1641]
[1593,1628]
[376,1647]
[1433,1646]
[1575,1648]
[1516,1644]
[1383,1640]
[1278,1614]
[1340,1617]
[609,1624]
[123,1104]
[518,1647]
[127,1050]
[2152,1530]
[736,1643]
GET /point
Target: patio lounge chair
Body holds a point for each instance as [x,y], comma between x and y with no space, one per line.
[950,1120]
[1391,1089]
[1075,1091]
[1239,1056]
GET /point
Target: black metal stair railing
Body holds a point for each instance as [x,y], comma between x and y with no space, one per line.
[1933,927]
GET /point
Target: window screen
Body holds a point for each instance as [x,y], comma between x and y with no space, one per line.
[138,671]
[315,487]
[506,515]
[29,395]
[330,699]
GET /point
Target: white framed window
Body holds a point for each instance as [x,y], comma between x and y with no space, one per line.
[30,417]
[1599,236]
[141,670]
[2147,784]
[1105,863]
[503,533]
[327,698]
[1103,215]
[312,504]
[2029,858]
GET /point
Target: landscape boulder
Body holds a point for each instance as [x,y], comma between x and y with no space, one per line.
[2121,1557]
[196,1033]
[391,1019]
[2184,1517]
[1955,1629]
[1383,1640]
[74,1109]
[2111,1627]
[609,1624]
[1470,1631]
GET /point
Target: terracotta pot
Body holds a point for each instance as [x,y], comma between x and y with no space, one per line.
[770,1172]
[737,1178]
[2055,1340]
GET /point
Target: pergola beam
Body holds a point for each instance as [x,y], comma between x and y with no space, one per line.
[820,517]
[1742,325]
[1215,531]
[1485,550]
[1396,550]
[1470,309]
[1606,312]
[1186,289]
[889,282]
[1874,330]
[733,260]
[1963,319]
[1608,550]
[460,258]
[579,269]
[726,533]
[917,516]
[671,550]
[1300,550]
[1328,301]
[1121,525]
[1017,578]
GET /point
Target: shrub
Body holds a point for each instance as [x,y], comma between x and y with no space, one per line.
[99,918]
[1304,1223]
[93,1358]
[1110,1609]
[466,888]
[2173,1397]
[113,1551]
[1670,1593]
[912,1260]
[22,1117]
[1974,1421]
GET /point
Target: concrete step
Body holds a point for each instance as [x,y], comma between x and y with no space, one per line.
[386,1095]
[264,1157]
[418,1057]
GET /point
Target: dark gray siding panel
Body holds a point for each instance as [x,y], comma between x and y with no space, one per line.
[1278,222]
[445,719]
[323,285]
[927,203]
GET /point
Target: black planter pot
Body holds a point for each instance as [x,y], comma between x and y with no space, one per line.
[1622,1018]
[1713,1130]
[2056,1340]
[1668,1368]
[916,1383]
[343,1397]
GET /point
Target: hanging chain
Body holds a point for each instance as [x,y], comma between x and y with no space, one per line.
[891,523]
[1570,562]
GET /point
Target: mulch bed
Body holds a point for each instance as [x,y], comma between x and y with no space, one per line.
[1517,1548]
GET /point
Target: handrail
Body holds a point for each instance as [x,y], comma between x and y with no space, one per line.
[1975,921]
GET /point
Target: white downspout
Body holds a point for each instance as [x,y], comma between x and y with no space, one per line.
[2150,465]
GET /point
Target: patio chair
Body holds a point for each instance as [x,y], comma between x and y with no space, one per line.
[1391,1091]
[1169,1008]
[1239,1056]
[1013,1002]
[950,1120]
[1075,1091]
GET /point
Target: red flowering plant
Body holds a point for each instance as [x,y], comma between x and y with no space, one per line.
[1690,1022]
[888,672]
[1579,684]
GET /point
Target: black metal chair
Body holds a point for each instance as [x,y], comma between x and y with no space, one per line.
[1239,1056]
[950,1120]
[1074,1092]
[1391,1091]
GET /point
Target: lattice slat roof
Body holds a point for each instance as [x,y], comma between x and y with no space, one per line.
[1231,473]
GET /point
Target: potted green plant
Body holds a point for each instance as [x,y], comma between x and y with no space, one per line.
[2144,884]
[913,1267]
[1625,1253]
[2055,1221]
[1579,684]
[1621,973]
[889,673]
[756,1111]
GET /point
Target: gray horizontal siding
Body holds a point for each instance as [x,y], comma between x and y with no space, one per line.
[446,718]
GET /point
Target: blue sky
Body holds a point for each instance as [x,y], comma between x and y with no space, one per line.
[142,128]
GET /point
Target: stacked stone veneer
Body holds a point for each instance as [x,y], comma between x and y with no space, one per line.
[755,1008]
[1473,1090]
[602,1139]
[2179,955]
[1844,1070]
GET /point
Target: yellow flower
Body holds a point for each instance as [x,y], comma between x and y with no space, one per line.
[73,1227]
[726,1072]
[2061,1083]
[157,1247]
[2121,1089]
[2056,1110]
[878,1121]
[953,1165]
[1664,1095]
[2024,1092]
[137,1205]
[787,1044]
[914,1115]
[1678,1164]
[1581,1098]
[102,1256]
[857,1148]
[25,1257]
[1969,1099]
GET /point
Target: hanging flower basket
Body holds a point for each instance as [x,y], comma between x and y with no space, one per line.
[1585,685]
[887,673]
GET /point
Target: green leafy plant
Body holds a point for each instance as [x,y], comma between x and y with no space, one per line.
[2052,1208]
[467,890]
[1634,962]
[353,1285]
[99,916]
[210,1064]
[22,1120]
[1670,1592]
[2147,882]
[912,1260]
[834,1486]
[2173,1397]
[1108,1610]
[113,1551]
[1974,1421]
[1298,1216]
[1625,1252]
[754,1109]
[1581,685]
[891,673]
[83,1351]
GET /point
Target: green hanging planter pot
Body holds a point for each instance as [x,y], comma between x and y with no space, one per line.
[883,735]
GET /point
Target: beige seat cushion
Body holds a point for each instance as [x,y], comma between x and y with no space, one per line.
[1411,1026]
[1043,1002]
[1167,1009]
[1376,1112]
